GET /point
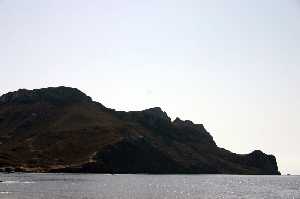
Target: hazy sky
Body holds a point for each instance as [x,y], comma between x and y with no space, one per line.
[232,65]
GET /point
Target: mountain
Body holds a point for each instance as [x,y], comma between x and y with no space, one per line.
[62,130]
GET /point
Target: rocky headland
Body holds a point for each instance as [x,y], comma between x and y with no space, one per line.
[63,130]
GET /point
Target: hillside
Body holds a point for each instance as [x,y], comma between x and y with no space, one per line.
[62,130]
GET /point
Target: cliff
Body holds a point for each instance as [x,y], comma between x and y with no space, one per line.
[63,130]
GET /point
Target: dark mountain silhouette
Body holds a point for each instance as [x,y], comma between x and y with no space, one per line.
[63,130]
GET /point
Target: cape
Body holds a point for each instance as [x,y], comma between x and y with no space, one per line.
[61,129]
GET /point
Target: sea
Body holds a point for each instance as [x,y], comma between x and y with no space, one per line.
[107,186]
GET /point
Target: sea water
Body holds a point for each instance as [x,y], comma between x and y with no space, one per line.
[85,186]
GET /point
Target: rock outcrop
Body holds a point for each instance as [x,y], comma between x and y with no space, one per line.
[55,95]
[62,130]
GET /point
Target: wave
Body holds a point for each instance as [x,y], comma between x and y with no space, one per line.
[16,182]
[4,192]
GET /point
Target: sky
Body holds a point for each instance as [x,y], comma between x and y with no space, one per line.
[231,65]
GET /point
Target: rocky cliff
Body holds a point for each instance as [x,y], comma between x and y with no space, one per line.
[63,130]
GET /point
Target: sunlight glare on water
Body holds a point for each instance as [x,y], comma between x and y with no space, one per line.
[92,186]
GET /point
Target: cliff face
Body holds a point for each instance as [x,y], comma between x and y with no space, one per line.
[63,130]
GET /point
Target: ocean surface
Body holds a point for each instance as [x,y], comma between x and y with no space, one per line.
[85,186]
